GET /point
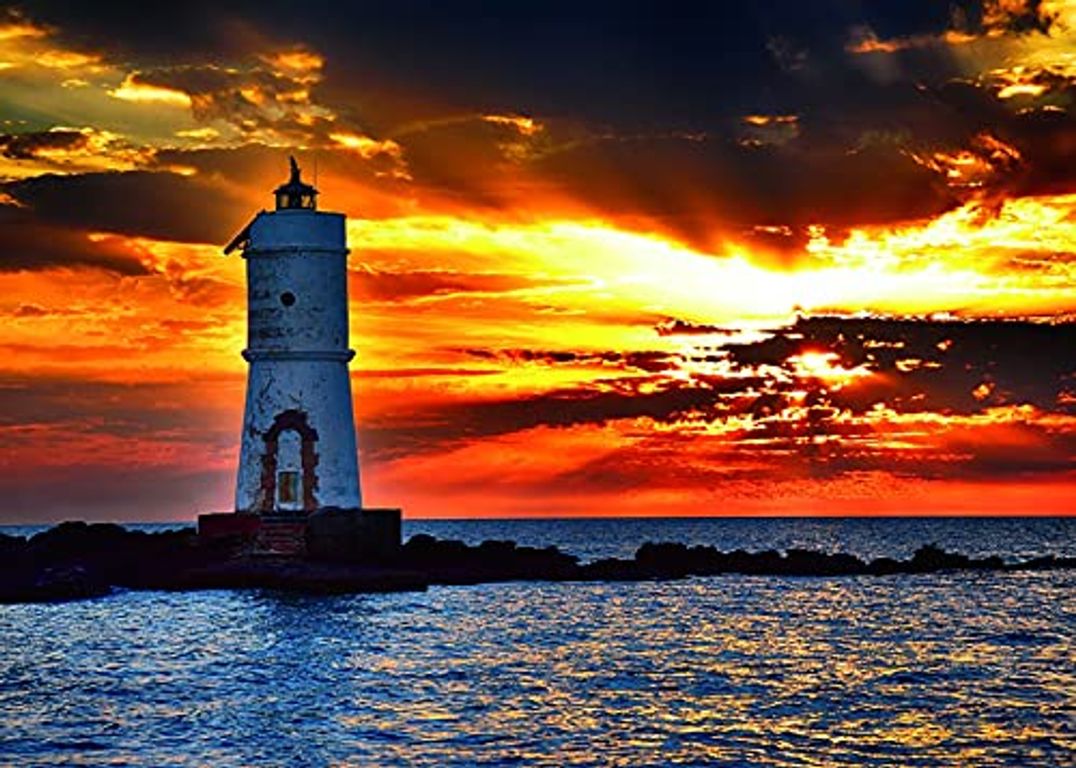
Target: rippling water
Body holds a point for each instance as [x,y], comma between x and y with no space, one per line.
[957,669]
[592,538]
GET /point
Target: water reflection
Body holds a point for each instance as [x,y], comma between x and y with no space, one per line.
[902,671]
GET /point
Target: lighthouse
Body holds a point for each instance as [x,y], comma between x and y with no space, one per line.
[298,474]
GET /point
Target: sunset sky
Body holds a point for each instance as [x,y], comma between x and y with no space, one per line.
[608,258]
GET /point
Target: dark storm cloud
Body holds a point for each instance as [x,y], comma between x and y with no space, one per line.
[475,159]
[642,105]
[934,365]
[697,186]
[28,244]
[24,146]
[1044,137]
[694,184]
[596,58]
[704,186]
[613,63]
[928,368]
[434,429]
[162,205]
[263,167]
[127,30]
[239,165]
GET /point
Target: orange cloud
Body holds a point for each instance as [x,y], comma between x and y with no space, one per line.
[769,119]
[17,26]
[302,64]
[998,18]
[864,40]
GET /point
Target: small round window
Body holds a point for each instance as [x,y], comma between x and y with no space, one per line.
[287,298]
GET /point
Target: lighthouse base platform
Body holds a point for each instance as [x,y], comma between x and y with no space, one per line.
[366,535]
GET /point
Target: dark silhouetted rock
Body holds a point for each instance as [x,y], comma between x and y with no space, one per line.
[11,545]
[1047,563]
[71,582]
[803,562]
[930,558]
[885,566]
[453,562]
[664,560]
[611,569]
[78,560]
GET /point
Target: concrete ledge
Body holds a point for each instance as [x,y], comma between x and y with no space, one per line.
[333,535]
[353,535]
[228,525]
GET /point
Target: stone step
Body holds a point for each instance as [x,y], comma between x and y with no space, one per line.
[281,537]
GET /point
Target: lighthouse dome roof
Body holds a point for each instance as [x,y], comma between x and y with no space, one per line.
[295,193]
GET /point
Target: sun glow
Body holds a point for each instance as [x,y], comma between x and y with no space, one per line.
[957,260]
[825,366]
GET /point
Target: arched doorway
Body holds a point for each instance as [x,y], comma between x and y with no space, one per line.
[289,463]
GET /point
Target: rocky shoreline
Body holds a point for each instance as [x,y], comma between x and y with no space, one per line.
[78,560]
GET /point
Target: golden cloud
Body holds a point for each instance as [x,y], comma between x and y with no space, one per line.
[133,88]
[63,149]
[527,126]
[16,26]
[300,64]
[365,146]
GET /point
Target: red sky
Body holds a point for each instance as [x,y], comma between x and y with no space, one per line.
[605,261]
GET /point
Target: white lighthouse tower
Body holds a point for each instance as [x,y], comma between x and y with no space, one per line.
[297,490]
[298,444]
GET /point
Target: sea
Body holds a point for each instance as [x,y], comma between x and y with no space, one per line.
[951,669]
